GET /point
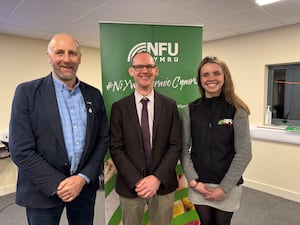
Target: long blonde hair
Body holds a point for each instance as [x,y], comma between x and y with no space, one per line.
[228,87]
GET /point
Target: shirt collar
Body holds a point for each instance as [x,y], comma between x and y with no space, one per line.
[59,85]
[139,97]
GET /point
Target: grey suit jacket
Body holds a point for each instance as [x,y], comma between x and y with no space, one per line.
[126,145]
[37,145]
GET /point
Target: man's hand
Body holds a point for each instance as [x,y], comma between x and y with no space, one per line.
[147,187]
[70,188]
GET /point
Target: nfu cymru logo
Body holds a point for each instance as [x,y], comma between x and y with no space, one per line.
[162,51]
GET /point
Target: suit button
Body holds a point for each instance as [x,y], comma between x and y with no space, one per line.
[66,164]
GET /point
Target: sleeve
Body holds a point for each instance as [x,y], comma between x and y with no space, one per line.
[23,145]
[243,151]
[185,158]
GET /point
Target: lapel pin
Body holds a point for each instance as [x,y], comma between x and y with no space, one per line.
[89,104]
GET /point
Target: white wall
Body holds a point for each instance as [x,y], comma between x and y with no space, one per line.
[275,166]
[24,59]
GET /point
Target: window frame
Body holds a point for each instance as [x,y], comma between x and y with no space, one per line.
[270,89]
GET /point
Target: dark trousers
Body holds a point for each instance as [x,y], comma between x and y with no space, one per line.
[80,211]
[212,216]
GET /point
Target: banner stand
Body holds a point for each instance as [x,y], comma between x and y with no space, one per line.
[177,50]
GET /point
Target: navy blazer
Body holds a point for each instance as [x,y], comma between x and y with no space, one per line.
[126,144]
[37,145]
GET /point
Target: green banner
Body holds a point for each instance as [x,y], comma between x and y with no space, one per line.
[177,51]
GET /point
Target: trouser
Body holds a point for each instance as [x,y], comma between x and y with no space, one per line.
[79,212]
[160,208]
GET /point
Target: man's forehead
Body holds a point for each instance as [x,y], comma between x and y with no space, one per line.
[64,44]
[66,49]
[143,56]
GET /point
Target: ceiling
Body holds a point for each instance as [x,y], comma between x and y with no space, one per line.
[220,18]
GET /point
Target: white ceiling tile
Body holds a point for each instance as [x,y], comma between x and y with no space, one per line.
[23,31]
[216,9]
[6,7]
[284,8]
[90,3]
[248,17]
[220,18]
[54,14]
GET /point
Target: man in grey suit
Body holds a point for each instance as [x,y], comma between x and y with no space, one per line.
[141,180]
[58,137]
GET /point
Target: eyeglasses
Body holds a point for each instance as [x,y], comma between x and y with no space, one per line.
[141,67]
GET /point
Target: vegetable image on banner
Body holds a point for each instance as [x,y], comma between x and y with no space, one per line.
[177,51]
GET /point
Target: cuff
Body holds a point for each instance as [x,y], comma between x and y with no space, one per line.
[88,180]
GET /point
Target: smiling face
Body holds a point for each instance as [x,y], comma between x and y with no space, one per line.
[144,71]
[64,56]
[211,79]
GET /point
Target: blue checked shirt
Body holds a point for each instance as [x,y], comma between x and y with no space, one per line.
[73,118]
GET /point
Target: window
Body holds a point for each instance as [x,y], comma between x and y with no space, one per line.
[284,93]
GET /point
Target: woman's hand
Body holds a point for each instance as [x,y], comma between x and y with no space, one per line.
[215,194]
[202,189]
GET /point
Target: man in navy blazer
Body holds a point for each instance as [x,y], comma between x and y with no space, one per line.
[136,184]
[58,137]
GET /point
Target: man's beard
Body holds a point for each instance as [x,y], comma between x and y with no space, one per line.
[62,76]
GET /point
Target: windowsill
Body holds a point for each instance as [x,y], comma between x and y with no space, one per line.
[275,133]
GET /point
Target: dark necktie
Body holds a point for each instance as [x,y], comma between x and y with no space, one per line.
[146,133]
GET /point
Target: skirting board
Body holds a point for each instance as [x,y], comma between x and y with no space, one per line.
[7,190]
[273,190]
